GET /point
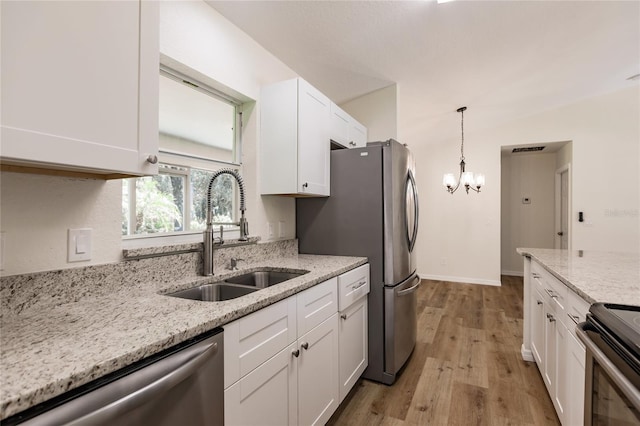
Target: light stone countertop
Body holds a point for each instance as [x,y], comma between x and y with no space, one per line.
[595,276]
[46,352]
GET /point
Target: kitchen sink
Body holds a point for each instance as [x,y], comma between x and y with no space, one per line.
[216,292]
[263,278]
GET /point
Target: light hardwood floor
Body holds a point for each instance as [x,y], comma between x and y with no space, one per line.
[466,368]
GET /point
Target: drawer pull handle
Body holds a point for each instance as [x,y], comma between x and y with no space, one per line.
[305,346]
[550,318]
[551,293]
[360,284]
[296,353]
[535,275]
[343,316]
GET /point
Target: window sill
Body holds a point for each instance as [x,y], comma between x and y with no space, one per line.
[156,246]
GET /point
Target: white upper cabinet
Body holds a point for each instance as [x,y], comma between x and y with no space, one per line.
[80,86]
[295,146]
[346,130]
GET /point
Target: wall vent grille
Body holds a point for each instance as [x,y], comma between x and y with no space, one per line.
[528,149]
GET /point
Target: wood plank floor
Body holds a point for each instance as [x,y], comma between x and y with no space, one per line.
[466,368]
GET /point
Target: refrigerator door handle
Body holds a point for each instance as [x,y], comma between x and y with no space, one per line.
[411,194]
[410,289]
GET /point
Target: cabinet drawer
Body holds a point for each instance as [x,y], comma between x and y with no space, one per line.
[316,305]
[577,309]
[251,340]
[352,286]
[552,287]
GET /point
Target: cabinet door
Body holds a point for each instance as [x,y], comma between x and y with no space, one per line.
[354,353]
[80,85]
[267,395]
[550,349]
[537,326]
[313,140]
[357,134]
[561,385]
[340,124]
[318,392]
[574,378]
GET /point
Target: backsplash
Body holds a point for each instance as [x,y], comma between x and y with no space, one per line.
[20,294]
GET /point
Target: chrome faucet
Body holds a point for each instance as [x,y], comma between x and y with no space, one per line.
[208,233]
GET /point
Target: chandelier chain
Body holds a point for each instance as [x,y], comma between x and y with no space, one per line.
[462,144]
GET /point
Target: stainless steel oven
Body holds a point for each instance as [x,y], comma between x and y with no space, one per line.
[611,335]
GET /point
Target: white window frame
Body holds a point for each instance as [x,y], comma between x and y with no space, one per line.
[190,161]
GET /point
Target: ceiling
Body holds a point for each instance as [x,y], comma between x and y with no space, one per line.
[502,59]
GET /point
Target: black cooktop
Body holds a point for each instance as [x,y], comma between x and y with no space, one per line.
[622,322]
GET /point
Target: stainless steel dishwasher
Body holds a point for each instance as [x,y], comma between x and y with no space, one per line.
[183,385]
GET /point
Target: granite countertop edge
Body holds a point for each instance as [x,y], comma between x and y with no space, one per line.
[191,318]
[607,277]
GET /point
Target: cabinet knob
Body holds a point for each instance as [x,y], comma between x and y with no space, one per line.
[153,159]
[343,316]
[352,143]
[305,185]
[539,302]
[296,353]
[550,318]
[305,345]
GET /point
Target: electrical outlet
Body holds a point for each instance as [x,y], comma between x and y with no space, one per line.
[270,230]
[79,245]
[281,229]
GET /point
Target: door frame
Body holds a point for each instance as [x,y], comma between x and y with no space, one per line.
[558,189]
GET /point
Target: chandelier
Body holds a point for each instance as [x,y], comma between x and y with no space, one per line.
[467,179]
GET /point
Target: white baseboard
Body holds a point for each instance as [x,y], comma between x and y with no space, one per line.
[513,273]
[527,355]
[460,279]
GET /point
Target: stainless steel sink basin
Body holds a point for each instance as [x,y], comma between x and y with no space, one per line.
[263,279]
[214,292]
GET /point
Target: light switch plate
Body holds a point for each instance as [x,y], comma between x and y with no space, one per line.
[280,229]
[79,245]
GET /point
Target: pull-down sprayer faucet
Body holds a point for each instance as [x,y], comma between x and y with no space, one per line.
[208,233]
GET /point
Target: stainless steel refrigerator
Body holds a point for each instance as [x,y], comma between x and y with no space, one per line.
[373,212]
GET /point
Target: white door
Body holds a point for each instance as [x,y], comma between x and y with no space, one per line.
[313,140]
[354,348]
[318,393]
[266,396]
[80,84]
[562,208]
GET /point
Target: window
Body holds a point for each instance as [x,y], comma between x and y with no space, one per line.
[199,133]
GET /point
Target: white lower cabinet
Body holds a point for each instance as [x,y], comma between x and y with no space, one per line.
[354,353]
[574,375]
[266,396]
[554,312]
[283,363]
[318,395]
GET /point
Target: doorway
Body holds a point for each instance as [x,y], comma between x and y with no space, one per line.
[535,200]
[562,192]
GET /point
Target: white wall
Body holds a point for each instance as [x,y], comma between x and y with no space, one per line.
[37,210]
[464,230]
[526,225]
[377,111]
